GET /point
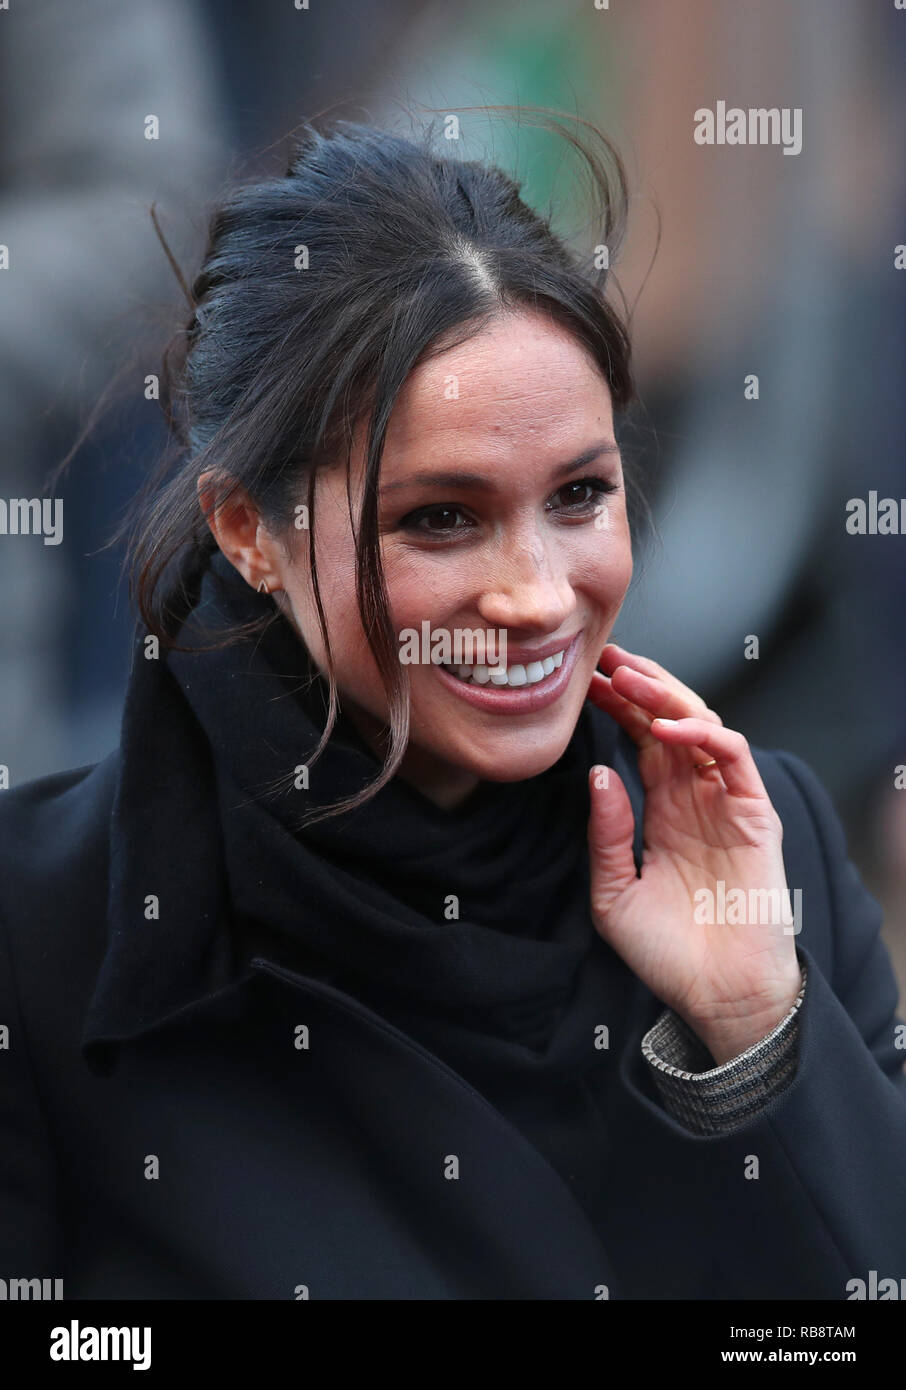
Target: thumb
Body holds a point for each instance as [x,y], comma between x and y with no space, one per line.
[611,827]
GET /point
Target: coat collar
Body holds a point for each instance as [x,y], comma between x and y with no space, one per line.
[214,978]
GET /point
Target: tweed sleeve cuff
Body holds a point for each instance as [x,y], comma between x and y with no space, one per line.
[716,1100]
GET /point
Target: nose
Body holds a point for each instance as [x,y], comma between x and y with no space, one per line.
[528,588]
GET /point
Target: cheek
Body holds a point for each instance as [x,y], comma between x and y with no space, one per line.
[336,583]
[437,588]
[600,563]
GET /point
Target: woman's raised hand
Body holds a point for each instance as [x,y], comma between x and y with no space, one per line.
[731,981]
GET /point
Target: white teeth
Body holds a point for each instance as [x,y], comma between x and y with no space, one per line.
[513,675]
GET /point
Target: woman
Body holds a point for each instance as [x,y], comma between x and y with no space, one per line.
[374,967]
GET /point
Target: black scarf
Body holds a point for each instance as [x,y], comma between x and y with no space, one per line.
[359,899]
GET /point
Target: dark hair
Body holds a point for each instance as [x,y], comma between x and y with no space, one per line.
[406,246]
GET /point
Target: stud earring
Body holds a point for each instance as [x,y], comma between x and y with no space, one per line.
[262,587]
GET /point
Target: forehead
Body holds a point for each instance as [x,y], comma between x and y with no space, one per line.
[521,379]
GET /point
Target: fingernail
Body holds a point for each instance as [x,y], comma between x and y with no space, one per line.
[659,720]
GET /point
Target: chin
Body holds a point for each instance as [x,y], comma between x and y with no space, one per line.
[527,756]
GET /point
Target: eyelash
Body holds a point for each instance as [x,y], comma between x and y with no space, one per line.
[600,487]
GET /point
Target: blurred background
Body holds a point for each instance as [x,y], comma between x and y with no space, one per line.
[773,265]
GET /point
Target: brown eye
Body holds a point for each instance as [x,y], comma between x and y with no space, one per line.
[572,491]
[593,488]
[444,515]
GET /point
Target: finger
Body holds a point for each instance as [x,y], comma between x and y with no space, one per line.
[729,749]
[628,715]
[611,829]
[659,697]
[631,717]
[613,656]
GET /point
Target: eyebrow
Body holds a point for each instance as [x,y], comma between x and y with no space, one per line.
[478,483]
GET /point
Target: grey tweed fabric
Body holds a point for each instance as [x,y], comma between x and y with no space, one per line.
[708,1099]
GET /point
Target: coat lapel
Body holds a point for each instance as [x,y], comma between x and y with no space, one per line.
[492,1212]
[454,1154]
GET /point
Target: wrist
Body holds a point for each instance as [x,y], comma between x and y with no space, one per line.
[729,1037]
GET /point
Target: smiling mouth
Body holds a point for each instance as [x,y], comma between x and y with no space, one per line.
[519,674]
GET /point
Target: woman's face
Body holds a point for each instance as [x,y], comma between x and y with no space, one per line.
[489,523]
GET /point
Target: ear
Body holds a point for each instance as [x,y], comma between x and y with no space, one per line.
[237,528]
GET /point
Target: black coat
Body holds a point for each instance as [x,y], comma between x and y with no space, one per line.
[324,1172]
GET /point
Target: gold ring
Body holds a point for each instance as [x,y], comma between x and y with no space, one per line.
[712,763]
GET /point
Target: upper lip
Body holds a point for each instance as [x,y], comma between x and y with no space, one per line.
[525,655]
